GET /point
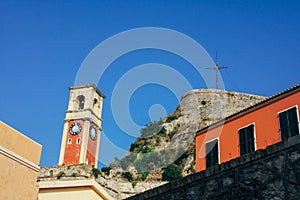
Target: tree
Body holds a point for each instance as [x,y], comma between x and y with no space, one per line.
[128,176]
[171,172]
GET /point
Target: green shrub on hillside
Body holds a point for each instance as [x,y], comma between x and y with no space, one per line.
[96,172]
[147,161]
[144,175]
[174,131]
[152,128]
[171,118]
[134,183]
[148,149]
[179,160]
[158,140]
[128,176]
[127,160]
[106,170]
[151,161]
[171,172]
[74,174]
[60,174]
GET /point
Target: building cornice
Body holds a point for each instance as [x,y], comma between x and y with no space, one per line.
[75,183]
[6,152]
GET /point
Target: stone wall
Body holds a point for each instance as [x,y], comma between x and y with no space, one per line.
[117,187]
[273,173]
[201,107]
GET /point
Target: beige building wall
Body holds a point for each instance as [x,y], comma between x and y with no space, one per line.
[73,189]
[19,159]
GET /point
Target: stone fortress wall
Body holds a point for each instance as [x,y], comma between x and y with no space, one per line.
[272,173]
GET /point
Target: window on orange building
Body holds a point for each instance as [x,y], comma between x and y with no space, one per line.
[212,157]
[288,122]
[246,138]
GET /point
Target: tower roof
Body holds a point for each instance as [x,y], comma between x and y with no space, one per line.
[87,86]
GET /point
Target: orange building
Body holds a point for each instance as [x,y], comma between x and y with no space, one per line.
[268,122]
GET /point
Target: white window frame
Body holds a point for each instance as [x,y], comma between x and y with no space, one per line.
[219,150]
[69,141]
[294,106]
[254,132]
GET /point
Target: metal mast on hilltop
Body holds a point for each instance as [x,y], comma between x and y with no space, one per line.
[217,68]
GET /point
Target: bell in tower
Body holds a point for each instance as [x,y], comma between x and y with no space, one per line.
[82,126]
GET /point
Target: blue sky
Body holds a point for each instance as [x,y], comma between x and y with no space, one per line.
[42,46]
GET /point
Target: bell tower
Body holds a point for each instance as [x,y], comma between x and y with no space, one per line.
[82,126]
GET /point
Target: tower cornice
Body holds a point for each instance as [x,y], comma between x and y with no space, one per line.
[87,86]
[87,109]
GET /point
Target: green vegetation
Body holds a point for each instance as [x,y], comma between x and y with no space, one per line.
[74,175]
[106,170]
[151,161]
[162,131]
[128,176]
[144,175]
[174,115]
[171,172]
[148,149]
[133,184]
[96,172]
[127,160]
[157,140]
[164,156]
[147,139]
[203,103]
[151,129]
[143,155]
[146,162]
[60,174]
[171,118]
[180,160]
[133,146]
[174,131]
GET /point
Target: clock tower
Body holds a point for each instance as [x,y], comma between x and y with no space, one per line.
[82,126]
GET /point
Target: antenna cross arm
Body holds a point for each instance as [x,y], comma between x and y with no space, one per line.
[222,67]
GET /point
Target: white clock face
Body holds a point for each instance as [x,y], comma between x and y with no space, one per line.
[93,133]
[75,128]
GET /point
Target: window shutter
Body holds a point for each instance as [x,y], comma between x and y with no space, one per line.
[212,153]
[288,122]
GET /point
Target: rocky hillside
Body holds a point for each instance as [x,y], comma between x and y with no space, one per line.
[169,143]
[165,150]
